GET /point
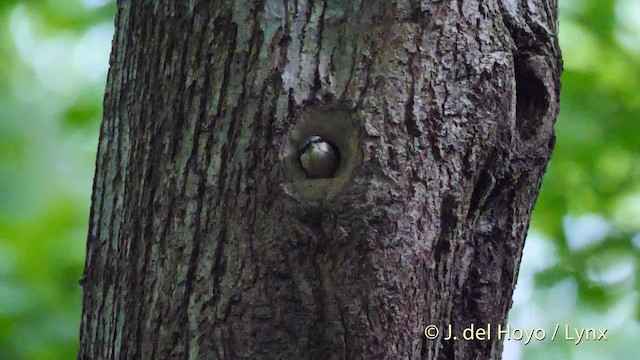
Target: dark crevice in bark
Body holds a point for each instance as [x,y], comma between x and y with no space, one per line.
[481,190]
[424,348]
[230,30]
[344,327]
[447,350]
[368,64]
[257,36]
[448,223]
[179,115]
[307,15]
[532,101]
[317,82]
[354,55]
[291,105]
[218,265]
[409,117]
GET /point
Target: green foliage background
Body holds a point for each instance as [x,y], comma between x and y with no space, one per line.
[581,259]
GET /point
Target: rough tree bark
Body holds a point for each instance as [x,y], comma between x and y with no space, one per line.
[207,242]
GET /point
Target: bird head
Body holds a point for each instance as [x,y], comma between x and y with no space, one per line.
[319,158]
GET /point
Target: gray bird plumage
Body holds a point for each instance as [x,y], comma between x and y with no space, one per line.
[318,158]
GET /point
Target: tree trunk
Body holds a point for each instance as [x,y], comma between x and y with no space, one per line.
[206,239]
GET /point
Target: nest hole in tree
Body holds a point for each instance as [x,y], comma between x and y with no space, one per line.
[336,126]
[532,101]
